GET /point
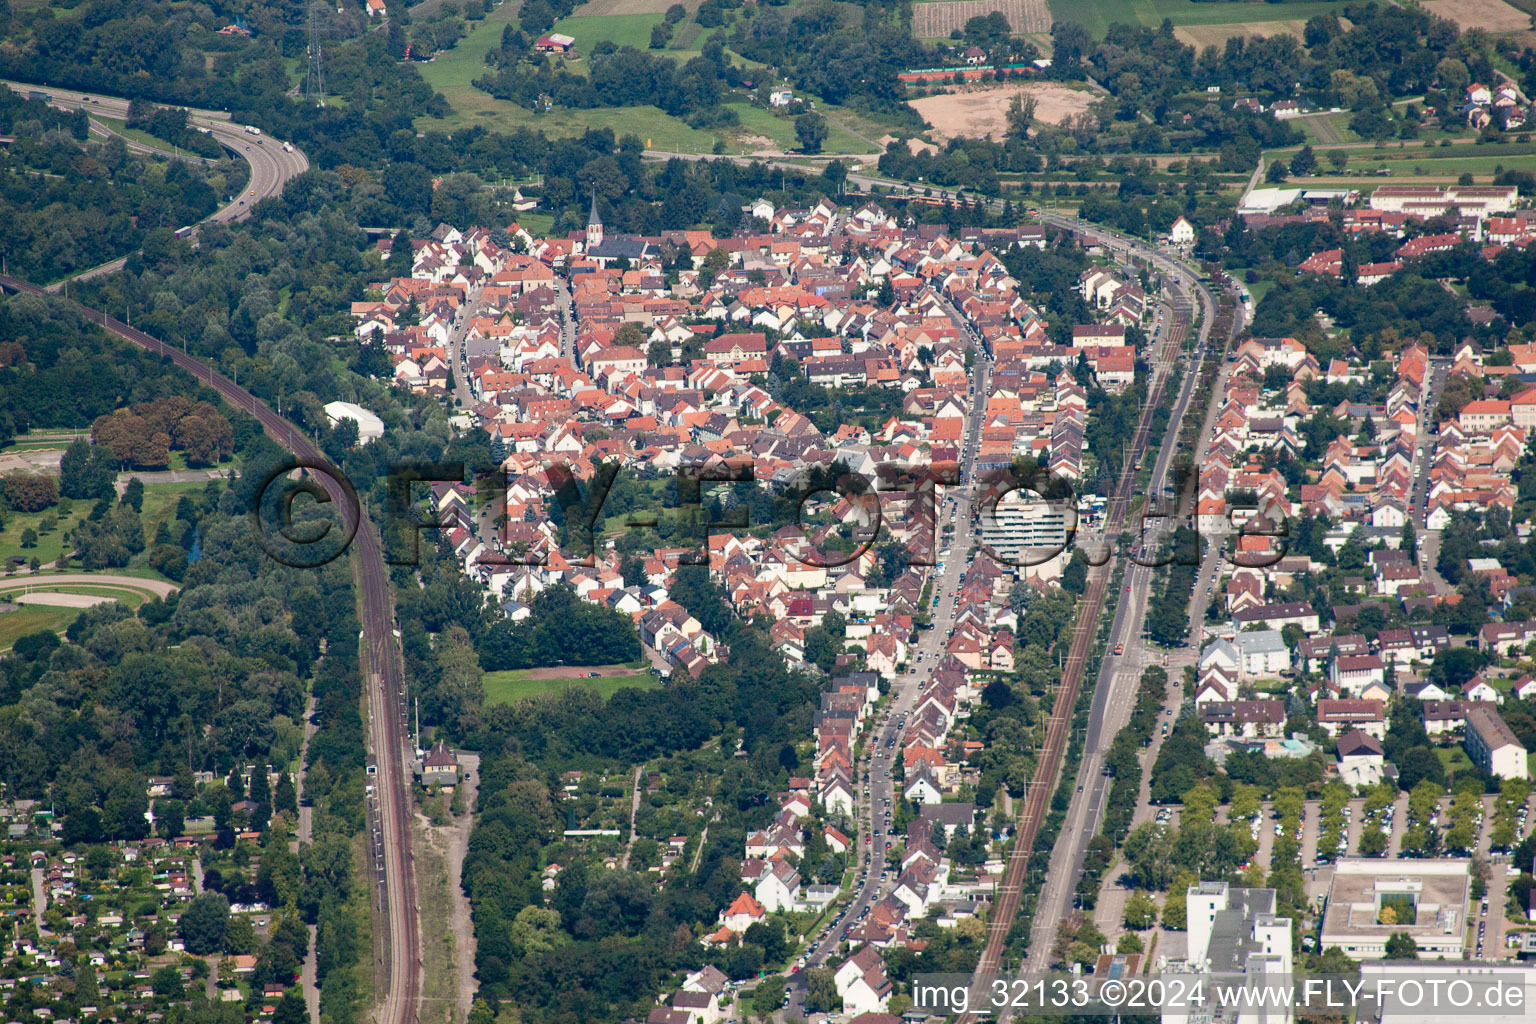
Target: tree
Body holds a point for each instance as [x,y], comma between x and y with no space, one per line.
[1070,43]
[170,817]
[1276,172]
[239,936]
[1304,162]
[29,492]
[203,923]
[290,1009]
[768,997]
[811,131]
[286,798]
[1176,905]
[408,186]
[133,495]
[166,982]
[1021,114]
[536,930]
[821,991]
[1373,842]
[86,470]
[1453,76]
[1400,946]
[1140,911]
[29,538]
[659,353]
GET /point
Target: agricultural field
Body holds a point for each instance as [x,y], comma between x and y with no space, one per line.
[1494,16]
[1201,36]
[1253,18]
[620,29]
[1434,164]
[604,8]
[938,18]
[511,686]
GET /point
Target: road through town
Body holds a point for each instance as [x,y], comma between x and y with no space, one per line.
[878,767]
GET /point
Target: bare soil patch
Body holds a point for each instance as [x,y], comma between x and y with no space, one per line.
[577,671]
[1495,16]
[938,20]
[983,111]
[1201,36]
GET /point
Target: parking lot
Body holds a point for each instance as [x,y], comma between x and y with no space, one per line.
[1487,927]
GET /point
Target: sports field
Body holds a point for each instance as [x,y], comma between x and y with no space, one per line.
[1257,17]
[509,687]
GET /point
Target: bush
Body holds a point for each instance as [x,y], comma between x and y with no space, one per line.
[30,492]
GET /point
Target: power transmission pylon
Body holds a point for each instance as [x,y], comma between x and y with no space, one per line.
[314,82]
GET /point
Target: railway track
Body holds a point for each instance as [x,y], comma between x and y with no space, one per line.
[1058,729]
[384,671]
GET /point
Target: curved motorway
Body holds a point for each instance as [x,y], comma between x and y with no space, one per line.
[272,162]
[395,877]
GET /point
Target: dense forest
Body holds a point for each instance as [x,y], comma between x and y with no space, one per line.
[70,203]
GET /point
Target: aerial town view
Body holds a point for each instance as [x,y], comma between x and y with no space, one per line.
[736,511]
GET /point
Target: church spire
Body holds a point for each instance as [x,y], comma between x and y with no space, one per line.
[594,225]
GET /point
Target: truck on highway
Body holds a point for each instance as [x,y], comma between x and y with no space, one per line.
[251,129]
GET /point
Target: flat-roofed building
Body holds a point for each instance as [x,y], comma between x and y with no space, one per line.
[1370,900]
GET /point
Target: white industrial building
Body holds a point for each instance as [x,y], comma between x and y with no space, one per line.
[369,426]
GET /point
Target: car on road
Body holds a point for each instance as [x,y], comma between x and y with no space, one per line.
[1119,648]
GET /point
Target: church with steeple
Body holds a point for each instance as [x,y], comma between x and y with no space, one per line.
[606,251]
[594,226]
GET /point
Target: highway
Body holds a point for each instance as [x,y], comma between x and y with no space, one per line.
[272,162]
[384,675]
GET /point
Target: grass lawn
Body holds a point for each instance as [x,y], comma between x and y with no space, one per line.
[159,507]
[1455,761]
[50,545]
[30,619]
[537,223]
[1259,289]
[147,139]
[452,73]
[620,29]
[160,502]
[508,687]
[44,440]
[757,121]
[1100,14]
